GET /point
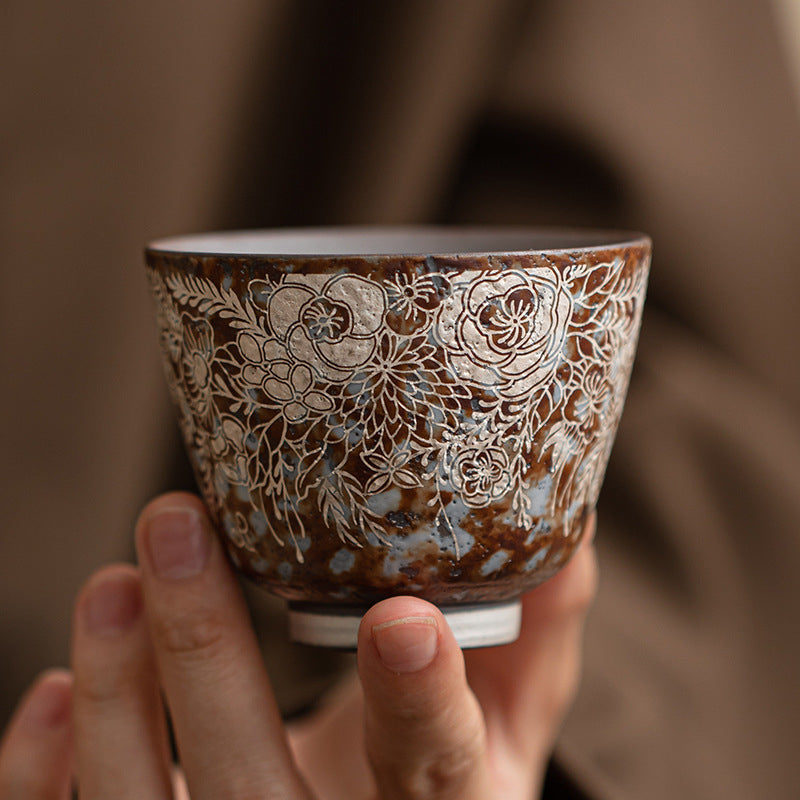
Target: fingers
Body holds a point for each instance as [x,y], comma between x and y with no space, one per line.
[227,726]
[119,720]
[35,754]
[527,687]
[425,736]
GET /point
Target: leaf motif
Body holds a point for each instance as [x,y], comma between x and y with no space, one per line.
[207,298]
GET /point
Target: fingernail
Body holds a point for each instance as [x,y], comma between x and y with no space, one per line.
[112,605]
[408,644]
[49,704]
[177,543]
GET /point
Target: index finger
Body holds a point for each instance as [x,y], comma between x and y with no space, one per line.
[229,732]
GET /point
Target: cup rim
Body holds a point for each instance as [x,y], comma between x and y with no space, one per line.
[365,241]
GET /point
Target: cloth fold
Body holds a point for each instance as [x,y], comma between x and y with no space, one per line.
[130,121]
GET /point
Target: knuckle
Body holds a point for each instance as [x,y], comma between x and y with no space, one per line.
[446,775]
[108,680]
[195,634]
[101,687]
[430,768]
[451,768]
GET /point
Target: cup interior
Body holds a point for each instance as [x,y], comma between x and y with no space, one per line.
[398,241]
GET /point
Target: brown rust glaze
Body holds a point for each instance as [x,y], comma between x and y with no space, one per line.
[446,530]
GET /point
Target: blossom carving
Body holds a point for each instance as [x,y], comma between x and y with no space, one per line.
[414,298]
[587,402]
[507,328]
[228,447]
[481,475]
[197,353]
[292,388]
[331,328]
[390,470]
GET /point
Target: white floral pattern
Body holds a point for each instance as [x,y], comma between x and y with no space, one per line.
[507,329]
[338,389]
[480,475]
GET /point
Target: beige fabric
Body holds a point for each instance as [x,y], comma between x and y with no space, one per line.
[118,125]
[131,120]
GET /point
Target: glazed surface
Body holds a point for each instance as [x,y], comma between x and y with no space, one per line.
[367,426]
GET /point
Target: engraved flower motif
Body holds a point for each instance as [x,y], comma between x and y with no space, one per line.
[197,353]
[329,324]
[480,475]
[228,447]
[292,387]
[288,385]
[414,297]
[507,328]
[587,403]
[390,470]
[258,353]
[394,385]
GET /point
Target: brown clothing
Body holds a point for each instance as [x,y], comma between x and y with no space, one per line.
[129,120]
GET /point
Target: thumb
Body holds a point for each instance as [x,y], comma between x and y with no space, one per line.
[425,731]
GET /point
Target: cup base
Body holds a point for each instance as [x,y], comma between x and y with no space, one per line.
[472,625]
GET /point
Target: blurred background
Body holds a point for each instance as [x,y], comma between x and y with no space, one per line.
[129,120]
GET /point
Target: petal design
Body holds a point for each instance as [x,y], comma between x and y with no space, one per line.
[295,412]
[284,307]
[318,401]
[249,347]
[301,378]
[446,321]
[479,347]
[302,349]
[407,479]
[253,375]
[375,461]
[278,390]
[273,350]
[218,445]
[378,483]
[526,384]
[467,370]
[365,298]
[491,286]
[348,353]
[299,345]
[233,431]
[281,369]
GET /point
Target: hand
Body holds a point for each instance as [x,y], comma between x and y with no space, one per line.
[425,722]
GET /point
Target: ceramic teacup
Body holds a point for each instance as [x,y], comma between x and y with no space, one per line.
[425,411]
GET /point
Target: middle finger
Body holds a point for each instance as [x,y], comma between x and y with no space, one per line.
[120,732]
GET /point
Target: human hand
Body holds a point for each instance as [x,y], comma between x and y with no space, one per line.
[427,722]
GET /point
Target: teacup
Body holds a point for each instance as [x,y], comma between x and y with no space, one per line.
[427,411]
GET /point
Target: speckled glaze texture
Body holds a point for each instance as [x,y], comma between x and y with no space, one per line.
[367,426]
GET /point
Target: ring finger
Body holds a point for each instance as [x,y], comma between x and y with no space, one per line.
[119,721]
